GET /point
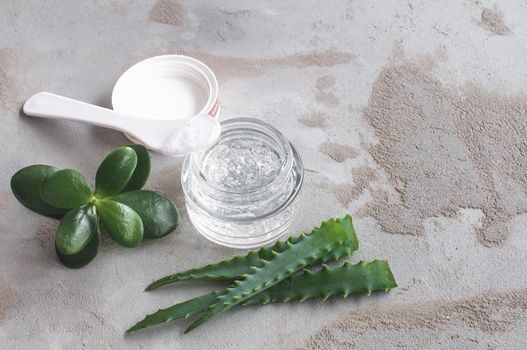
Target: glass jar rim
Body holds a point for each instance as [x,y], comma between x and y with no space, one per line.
[297,166]
[231,124]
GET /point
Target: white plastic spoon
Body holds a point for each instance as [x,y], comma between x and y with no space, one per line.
[170,137]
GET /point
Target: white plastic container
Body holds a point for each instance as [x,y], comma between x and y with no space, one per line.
[168,103]
[167,87]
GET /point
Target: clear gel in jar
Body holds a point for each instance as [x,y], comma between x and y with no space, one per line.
[242,191]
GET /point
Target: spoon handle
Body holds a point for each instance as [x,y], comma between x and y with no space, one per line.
[48,105]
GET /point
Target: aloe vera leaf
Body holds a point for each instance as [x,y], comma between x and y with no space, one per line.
[364,277]
[179,311]
[238,266]
[115,172]
[141,171]
[309,249]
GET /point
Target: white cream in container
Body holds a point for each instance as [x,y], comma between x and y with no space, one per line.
[172,87]
[168,103]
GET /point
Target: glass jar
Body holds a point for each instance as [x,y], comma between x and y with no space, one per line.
[242,191]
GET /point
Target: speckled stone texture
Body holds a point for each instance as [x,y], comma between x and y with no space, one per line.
[411,115]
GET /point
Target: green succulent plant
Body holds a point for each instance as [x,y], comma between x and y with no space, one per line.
[118,206]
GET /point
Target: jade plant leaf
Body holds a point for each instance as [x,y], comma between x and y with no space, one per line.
[76,230]
[121,222]
[115,172]
[65,194]
[158,214]
[142,169]
[66,189]
[84,257]
[25,185]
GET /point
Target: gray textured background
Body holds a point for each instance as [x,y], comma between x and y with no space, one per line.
[408,114]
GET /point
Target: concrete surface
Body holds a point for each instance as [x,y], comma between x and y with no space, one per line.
[409,114]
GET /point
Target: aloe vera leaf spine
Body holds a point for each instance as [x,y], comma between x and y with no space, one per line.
[238,266]
[309,249]
[330,281]
[324,283]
